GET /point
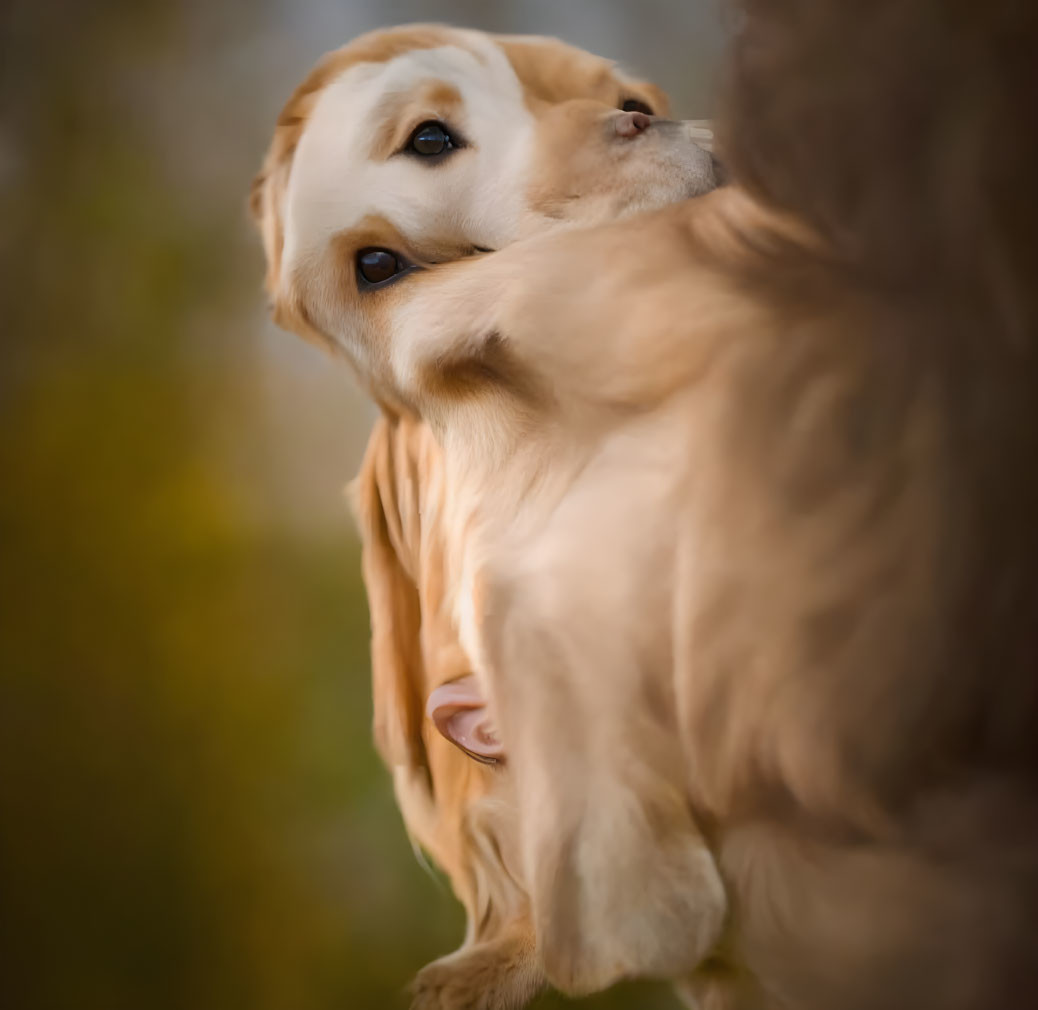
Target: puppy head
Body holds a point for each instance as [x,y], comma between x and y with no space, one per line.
[423,144]
[428,721]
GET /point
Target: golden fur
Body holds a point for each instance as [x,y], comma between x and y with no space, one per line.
[461,812]
[739,530]
[552,150]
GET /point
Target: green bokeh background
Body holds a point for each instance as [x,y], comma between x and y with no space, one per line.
[191,811]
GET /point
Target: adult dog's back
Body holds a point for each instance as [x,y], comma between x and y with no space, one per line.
[873,767]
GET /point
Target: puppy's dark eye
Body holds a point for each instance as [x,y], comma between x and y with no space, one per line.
[430,139]
[376,266]
[633,105]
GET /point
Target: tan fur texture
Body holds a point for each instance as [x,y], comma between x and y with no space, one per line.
[460,812]
[540,119]
[740,527]
[268,187]
[812,614]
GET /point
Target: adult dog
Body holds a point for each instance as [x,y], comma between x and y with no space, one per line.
[742,515]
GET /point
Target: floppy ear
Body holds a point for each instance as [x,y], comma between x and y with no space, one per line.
[396,656]
[265,199]
[268,189]
[459,711]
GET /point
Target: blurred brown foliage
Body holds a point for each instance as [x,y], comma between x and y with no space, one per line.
[191,811]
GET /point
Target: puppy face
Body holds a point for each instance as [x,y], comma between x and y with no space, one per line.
[421,145]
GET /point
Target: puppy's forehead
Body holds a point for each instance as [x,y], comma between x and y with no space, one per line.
[335,182]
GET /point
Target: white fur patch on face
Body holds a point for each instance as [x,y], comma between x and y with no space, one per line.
[473,197]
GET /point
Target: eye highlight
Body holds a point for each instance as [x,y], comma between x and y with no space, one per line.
[377,266]
[432,139]
[635,105]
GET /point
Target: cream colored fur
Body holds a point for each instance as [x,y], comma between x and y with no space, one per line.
[710,525]
[539,117]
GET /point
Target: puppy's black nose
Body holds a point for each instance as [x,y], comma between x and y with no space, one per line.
[630,124]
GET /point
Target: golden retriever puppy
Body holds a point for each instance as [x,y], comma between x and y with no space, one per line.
[458,140]
[739,523]
[425,144]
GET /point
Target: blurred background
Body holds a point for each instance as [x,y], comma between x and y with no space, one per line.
[192,814]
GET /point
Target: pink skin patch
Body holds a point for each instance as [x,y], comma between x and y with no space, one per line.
[630,124]
[459,712]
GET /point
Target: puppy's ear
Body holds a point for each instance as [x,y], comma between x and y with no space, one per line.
[459,711]
[396,656]
[268,189]
[265,199]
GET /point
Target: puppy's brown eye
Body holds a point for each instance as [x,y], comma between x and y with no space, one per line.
[377,266]
[431,139]
[633,105]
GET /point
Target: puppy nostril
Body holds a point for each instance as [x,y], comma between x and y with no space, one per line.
[630,124]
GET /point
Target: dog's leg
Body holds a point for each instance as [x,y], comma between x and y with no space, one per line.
[621,881]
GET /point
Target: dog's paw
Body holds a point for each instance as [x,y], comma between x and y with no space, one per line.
[499,974]
[631,893]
